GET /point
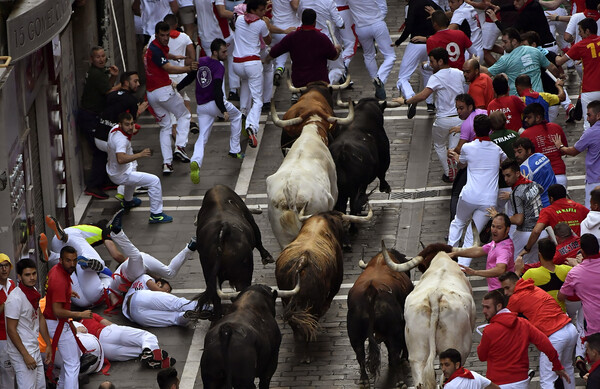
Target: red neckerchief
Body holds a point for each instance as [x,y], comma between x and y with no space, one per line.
[521,180]
[460,373]
[251,18]
[128,136]
[591,13]
[594,366]
[174,34]
[32,295]
[482,138]
[307,28]
[525,5]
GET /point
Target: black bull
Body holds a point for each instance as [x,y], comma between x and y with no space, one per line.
[361,152]
[244,343]
[226,234]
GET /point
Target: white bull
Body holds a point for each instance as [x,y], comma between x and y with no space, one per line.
[306,181]
[439,312]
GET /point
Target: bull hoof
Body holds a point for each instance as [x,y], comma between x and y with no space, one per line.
[364,384]
[384,187]
[268,259]
[347,247]
[401,385]
[305,360]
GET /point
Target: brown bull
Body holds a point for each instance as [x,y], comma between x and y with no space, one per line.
[316,256]
[376,312]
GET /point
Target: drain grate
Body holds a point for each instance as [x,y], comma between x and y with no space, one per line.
[415,195]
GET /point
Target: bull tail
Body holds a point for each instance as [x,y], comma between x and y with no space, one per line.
[225,333]
[304,322]
[434,303]
[374,352]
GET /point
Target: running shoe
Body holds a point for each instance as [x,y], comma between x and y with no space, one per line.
[43,247]
[180,154]
[195,172]
[379,89]
[167,169]
[135,202]
[237,155]
[96,193]
[277,76]
[156,218]
[57,228]
[252,141]
[193,244]
[92,264]
[115,223]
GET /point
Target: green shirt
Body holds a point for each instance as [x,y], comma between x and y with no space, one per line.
[94,90]
[505,139]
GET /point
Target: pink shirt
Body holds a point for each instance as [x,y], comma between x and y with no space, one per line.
[582,281]
[501,252]
[466,128]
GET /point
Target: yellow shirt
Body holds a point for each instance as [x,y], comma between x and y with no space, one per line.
[549,281]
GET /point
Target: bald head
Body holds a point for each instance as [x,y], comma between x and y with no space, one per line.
[471,70]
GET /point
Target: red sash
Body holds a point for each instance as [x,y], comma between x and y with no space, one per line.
[56,338]
[246,59]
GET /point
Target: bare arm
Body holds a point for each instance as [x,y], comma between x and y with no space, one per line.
[174,6]
[553,69]
[421,96]
[62,313]
[46,336]
[172,69]
[295,4]
[488,273]
[471,252]
[562,59]
[224,12]
[123,158]
[572,151]
[11,331]
[535,234]
[561,91]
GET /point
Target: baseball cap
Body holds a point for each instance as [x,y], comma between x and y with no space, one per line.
[5,258]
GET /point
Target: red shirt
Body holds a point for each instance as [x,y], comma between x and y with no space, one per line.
[154,60]
[564,210]
[540,136]
[482,91]
[505,345]
[567,249]
[455,42]
[59,290]
[512,106]
[3,297]
[93,325]
[588,50]
[538,307]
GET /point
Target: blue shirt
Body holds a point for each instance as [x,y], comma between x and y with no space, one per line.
[522,60]
[590,141]
[537,168]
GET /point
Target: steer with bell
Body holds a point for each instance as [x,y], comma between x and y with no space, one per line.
[244,343]
[376,312]
[226,234]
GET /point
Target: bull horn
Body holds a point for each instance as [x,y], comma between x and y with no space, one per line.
[290,293]
[399,267]
[196,221]
[343,121]
[360,219]
[283,123]
[301,215]
[292,88]
[255,211]
[225,295]
[341,86]
[362,263]
[476,240]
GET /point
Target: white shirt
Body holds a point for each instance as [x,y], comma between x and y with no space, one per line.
[208,26]
[446,84]
[479,382]
[153,11]
[468,13]
[118,143]
[326,10]
[246,37]
[140,283]
[19,308]
[366,13]
[483,166]
[177,46]
[185,3]
[284,15]
[573,28]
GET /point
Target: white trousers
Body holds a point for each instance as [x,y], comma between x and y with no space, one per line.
[251,91]
[378,32]
[27,378]
[442,137]
[166,100]
[562,179]
[157,309]
[414,55]
[157,268]
[586,98]
[134,179]
[206,117]
[88,285]
[557,29]
[563,341]
[347,37]
[520,239]
[489,33]
[464,212]
[7,372]
[516,385]
[132,268]
[589,187]
[70,353]
[122,343]
[280,61]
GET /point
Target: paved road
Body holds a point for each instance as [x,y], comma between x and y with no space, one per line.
[416,211]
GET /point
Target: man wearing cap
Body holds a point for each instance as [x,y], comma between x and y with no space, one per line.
[7,373]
